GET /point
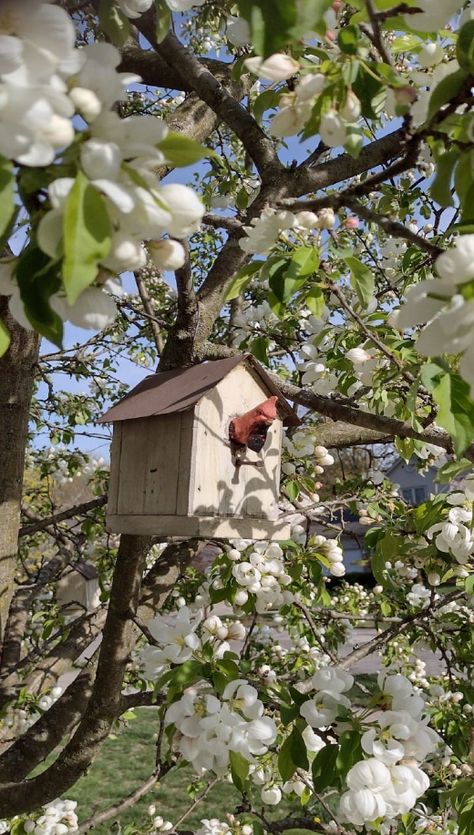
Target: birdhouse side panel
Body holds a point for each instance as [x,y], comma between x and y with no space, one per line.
[115,455]
[218,487]
[149,463]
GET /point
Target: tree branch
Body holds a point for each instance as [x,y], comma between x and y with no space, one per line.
[77,510]
[104,703]
[259,147]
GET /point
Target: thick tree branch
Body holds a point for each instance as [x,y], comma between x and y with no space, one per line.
[259,147]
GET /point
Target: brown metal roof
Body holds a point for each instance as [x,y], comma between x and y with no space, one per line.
[168,392]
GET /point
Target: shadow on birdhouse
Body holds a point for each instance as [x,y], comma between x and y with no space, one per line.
[197,451]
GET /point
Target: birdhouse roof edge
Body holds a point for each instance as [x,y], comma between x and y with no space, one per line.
[169,392]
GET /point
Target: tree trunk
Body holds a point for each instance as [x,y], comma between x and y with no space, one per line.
[16,387]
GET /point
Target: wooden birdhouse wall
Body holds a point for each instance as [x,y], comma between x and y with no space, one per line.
[173,474]
[150,465]
[217,486]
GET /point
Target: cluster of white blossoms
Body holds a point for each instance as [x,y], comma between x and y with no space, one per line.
[455,535]
[332,552]
[177,640]
[303,444]
[232,826]
[390,781]
[46,83]
[316,375]
[296,107]
[135,8]
[272,225]
[366,363]
[18,719]
[208,728]
[58,818]
[330,684]
[262,573]
[445,304]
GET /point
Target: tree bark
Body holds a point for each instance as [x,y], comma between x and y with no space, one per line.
[17,371]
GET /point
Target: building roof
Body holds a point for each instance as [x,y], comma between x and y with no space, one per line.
[168,392]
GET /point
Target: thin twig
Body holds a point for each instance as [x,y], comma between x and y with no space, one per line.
[314,631]
[196,802]
[148,307]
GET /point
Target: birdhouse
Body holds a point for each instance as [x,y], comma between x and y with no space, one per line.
[78,589]
[196,452]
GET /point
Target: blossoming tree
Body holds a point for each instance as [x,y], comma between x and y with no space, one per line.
[349,272]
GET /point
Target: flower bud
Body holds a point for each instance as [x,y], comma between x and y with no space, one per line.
[167,254]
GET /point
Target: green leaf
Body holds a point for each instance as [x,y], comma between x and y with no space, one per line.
[348,39]
[452,470]
[179,150]
[292,490]
[270,23]
[239,769]
[114,23]
[465,47]
[362,279]
[4,339]
[324,767]
[315,301]
[464,176]
[163,20]
[441,187]
[350,751]
[446,90]
[7,197]
[304,262]
[455,407]
[292,755]
[38,278]
[265,101]
[242,280]
[274,23]
[259,348]
[87,236]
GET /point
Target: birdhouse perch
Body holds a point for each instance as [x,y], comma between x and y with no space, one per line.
[196,452]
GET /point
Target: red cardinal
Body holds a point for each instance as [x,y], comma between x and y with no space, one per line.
[250,430]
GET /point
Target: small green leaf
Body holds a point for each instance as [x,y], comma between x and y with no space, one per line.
[446,90]
[292,490]
[465,46]
[87,236]
[452,470]
[259,348]
[7,197]
[455,407]
[265,101]
[242,280]
[114,23]
[38,279]
[179,150]
[4,339]
[239,769]
[304,262]
[441,187]
[315,301]
[163,20]
[324,767]
[348,39]
[350,751]
[292,755]
[362,279]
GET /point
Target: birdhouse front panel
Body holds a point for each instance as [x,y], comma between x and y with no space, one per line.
[219,487]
